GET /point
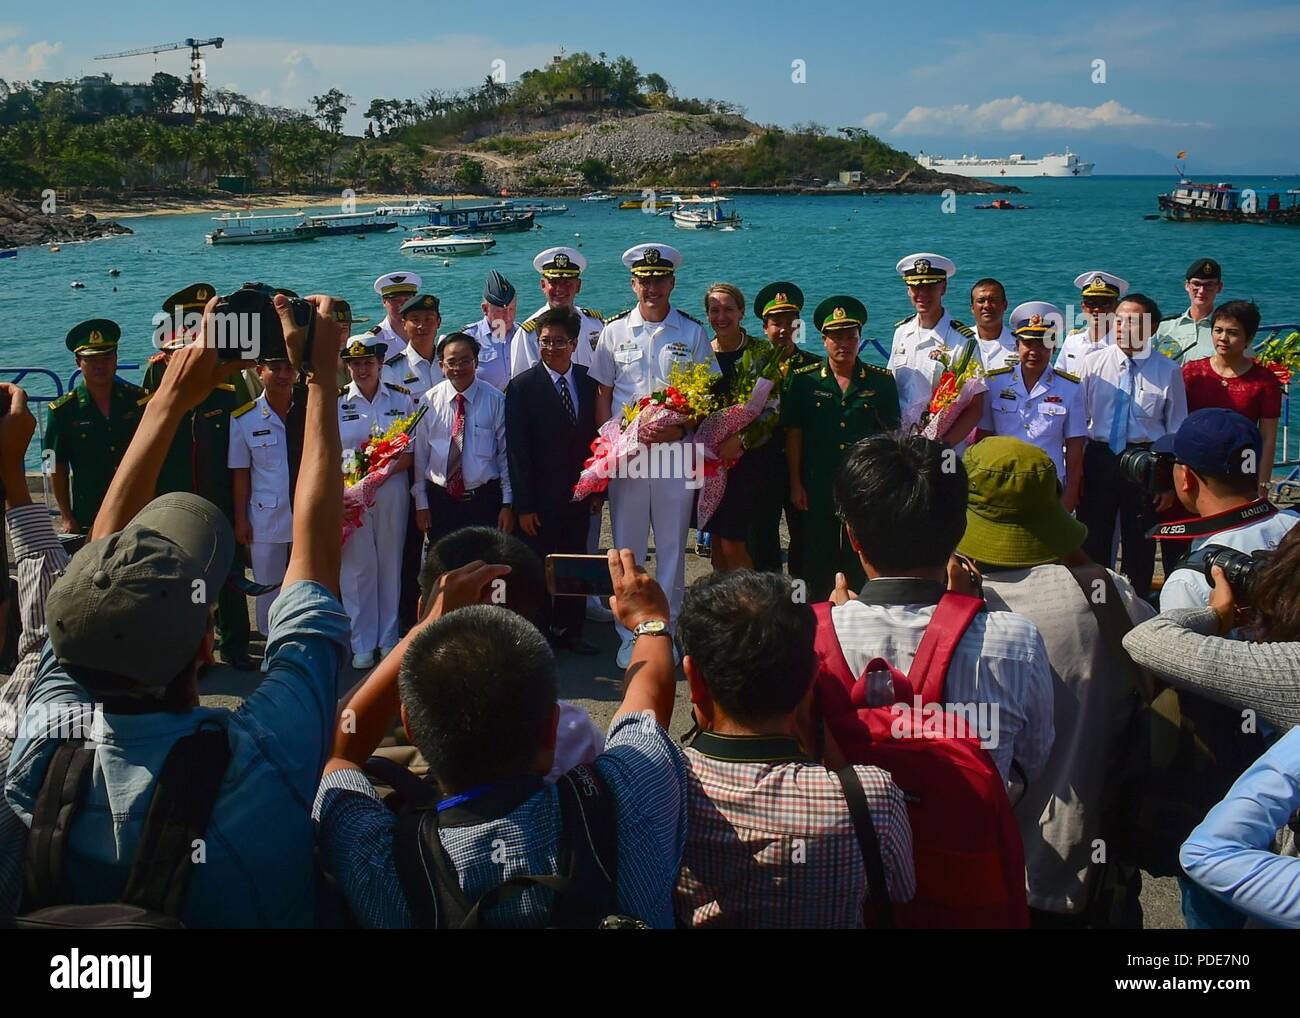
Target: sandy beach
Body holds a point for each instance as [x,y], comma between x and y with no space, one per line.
[153,206]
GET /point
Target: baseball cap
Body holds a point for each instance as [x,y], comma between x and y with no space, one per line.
[132,608]
[1014,515]
[1211,441]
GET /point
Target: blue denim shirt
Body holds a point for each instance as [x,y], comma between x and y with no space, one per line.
[258,869]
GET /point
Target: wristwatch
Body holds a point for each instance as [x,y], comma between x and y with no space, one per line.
[651,627]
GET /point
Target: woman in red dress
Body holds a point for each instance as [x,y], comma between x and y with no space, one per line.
[1233,380]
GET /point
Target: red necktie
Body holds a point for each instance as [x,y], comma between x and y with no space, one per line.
[455,477]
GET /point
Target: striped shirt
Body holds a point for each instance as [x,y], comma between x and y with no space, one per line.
[646,776]
[40,560]
[1001,660]
[772,845]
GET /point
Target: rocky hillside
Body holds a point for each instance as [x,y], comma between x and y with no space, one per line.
[21,225]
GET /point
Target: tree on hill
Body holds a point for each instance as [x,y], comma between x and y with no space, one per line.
[165,91]
[469,174]
[331,108]
[596,172]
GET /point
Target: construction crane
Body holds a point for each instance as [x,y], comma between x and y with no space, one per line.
[198,74]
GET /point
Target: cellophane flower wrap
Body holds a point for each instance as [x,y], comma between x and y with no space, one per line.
[1281,355]
[961,380]
[368,466]
[754,394]
[689,398]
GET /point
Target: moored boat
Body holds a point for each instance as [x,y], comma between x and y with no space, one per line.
[713,213]
[666,202]
[495,218]
[340,223]
[246,228]
[1190,201]
[539,208]
[596,196]
[435,240]
[418,209]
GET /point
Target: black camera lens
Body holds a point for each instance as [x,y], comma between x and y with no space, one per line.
[1240,568]
[1153,472]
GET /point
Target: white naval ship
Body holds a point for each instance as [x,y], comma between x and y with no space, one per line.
[1015,165]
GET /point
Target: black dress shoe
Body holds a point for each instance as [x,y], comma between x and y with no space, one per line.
[578,646]
[241,662]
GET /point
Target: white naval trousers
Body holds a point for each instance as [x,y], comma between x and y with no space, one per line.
[370,577]
[270,562]
[664,503]
[593,548]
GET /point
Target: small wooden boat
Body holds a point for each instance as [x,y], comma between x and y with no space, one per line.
[666,202]
[596,196]
[343,223]
[1223,203]
[246,228]
[713,213]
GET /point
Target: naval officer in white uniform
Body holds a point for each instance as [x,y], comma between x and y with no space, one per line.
[394,289]
[637,351]
[416,368]
[1099,293]
[258,456]
[370,572]
[496,332]
[1037,404]
[921,337]
[561,271]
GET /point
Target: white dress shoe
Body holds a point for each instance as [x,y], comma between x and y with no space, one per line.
[624,656]
[363,661]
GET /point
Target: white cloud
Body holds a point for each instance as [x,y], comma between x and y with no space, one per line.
[873,121]
[27,61]
[1018,114]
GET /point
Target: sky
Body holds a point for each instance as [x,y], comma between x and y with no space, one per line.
[1124,84]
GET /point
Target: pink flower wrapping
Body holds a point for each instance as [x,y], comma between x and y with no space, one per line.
[712,432]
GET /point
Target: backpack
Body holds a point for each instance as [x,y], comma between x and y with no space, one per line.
[183,799]
[970,865]
[585,888]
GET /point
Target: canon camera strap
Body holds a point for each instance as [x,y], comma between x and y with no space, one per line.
[1206,526]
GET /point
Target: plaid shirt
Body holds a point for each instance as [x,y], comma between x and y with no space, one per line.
[771,844]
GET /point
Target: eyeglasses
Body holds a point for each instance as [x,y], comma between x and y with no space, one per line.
[458,362]
[555,344]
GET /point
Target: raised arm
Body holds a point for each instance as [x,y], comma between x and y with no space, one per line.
[651,678]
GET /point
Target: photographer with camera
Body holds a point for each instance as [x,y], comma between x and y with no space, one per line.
[1216,456]
[1133,395]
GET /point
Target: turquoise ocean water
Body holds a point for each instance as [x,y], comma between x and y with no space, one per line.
[827,245]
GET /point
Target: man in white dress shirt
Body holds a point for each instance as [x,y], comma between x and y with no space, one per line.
[1134,396]
[1099,294]
[636,353]
[920,338]
[988,306]
[462,477]
[394,289]
[416,367]
[496,332]
[561,271]
[1031,401]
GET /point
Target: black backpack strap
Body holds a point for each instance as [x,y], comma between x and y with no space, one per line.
[183,799]
[407,786]
[60,795]
[860,811]
[591,831]
[428,877]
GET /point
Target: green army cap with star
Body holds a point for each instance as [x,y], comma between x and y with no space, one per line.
[841,312]
[96,336]
[775,297]
[194,297]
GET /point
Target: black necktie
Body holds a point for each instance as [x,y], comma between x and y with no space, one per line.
[567,399]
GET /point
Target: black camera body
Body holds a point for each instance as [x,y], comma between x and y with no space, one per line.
[246,325]
[1240,568]
[1151,471]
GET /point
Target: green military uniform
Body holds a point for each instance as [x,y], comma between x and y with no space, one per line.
[831,421]
[772,496]
[83,439]
[1182,338]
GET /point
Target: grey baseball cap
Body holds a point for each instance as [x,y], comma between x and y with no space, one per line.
[132,608]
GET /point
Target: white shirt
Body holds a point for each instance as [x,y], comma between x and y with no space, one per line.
[1076,347]
[998,353]
[258,443]
[1046,417]
[1159,400]
[494,355]
[1000,660]
[524,354]
[568,381]
[915,371]
[385,333]
[359,417]
[1188,588]
[635,357]
[411,371]
[483,457]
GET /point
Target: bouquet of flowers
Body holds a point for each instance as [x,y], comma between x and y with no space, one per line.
[689,397]
[961,381]
[1281,355]
[368,466]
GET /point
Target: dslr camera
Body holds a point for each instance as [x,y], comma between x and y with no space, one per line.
[246,325]
[1241,568]
[1151,471]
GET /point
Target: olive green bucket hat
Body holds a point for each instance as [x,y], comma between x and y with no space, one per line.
[1014,516]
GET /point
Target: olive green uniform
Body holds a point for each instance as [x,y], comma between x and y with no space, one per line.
[831,421]
[90,444]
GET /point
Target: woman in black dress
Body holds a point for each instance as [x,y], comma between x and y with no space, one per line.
[729,524]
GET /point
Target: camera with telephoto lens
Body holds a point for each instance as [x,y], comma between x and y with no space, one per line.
[1240,568]
[1151,471]
[246,325]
